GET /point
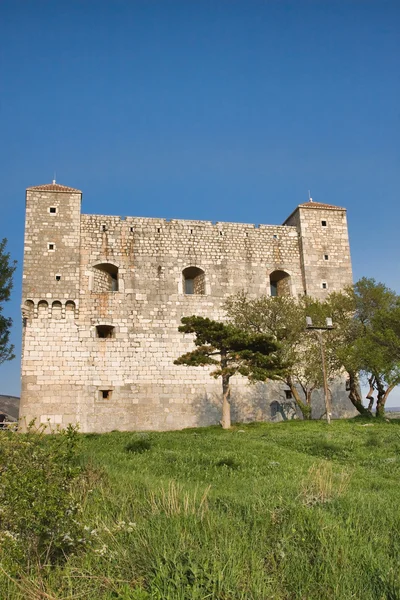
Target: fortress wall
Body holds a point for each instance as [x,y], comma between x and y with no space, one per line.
[147,391]
[127,274]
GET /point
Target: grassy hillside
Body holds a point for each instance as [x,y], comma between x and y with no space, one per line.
[280,511]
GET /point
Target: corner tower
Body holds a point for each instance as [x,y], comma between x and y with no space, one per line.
[50,300]
[324,247]
[52,243]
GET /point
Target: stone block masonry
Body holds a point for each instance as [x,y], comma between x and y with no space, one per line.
[103,297]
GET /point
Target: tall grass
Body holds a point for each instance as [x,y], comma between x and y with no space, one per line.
[295,510]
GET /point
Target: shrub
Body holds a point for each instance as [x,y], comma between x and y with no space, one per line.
[38,516]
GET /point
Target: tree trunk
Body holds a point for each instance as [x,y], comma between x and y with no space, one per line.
[305,408]
[370,396]
[226,405]
[355,396]
[382,397]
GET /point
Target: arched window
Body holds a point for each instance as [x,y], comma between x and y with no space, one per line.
[279,282]
[29,309]
[193,281]
[56,310]
[105,278]
[70,309]
[43,309]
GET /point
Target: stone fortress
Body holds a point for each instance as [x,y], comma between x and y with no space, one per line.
[103,297]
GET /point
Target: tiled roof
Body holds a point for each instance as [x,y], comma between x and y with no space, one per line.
[53,187]
[321,205]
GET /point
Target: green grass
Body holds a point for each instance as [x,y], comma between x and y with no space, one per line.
[282,511]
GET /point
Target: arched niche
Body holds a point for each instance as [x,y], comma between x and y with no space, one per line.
[70,309]
[193,281]
[280,283]
[29,309]
[105,278]
[56,310]
[43,309]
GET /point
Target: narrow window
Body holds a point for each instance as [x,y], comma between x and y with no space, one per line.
[158,230]
[52,210]
[103,228]
[323,223]
[326,257]
[104,331]
[193,281]
[324,285]
[221,233]
[132,229]
[58,277]
[51,246]
[288,394]
[105,278]
[279,282]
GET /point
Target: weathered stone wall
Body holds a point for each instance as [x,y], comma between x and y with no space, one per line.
[129,381]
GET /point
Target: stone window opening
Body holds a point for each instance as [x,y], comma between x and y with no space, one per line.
[132,229]
[51,246]
[326,257]
[105,331]
[279,282]
[104,228]
[58,277]
[324,285]
[52,210]
[105,278]
[323,223]
[193,281]
[158,230]
[288,394]
[104,394]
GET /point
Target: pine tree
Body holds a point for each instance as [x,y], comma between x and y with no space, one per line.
[231,351]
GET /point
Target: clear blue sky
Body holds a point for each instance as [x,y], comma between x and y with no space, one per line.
[204,109]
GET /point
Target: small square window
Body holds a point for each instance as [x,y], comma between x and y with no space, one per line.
[52,210]
[58,277]
[104,394]
[51,246]
[288,394]
[324,285]
[323,223]
[326,257]
[275,236]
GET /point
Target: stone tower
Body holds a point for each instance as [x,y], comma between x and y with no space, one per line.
[103,297]
[324,247]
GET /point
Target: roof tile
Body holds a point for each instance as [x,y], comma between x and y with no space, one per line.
[53,187]
[321,205]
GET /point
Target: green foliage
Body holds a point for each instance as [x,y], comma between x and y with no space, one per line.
[7,268]
[38,517]
[250,354]
[284,319]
